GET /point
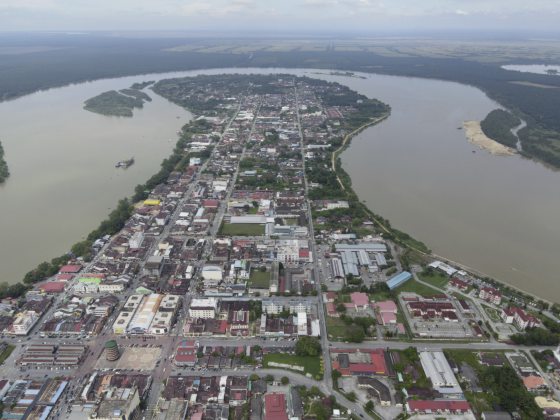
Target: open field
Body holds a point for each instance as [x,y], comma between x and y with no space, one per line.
[336,329]
[260,279]
[242,229]
[415,287]
[132,358]
[436,279]
[311,365]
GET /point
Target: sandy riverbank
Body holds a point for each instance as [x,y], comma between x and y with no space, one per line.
[476,136]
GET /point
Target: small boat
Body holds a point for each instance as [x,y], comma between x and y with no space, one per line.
[125,163]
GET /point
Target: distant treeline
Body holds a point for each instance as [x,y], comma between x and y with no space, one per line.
[83,58]
[498,124]
[4,172]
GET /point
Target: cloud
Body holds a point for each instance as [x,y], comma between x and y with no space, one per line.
[461,12]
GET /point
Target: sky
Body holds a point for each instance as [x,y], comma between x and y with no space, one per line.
[280,15]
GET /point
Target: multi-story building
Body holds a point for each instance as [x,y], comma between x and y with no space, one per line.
[24,322]
[491,295]
[203,308]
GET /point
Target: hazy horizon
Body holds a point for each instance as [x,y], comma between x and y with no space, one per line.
[288,16]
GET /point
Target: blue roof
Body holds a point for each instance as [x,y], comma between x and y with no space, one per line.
[398,279]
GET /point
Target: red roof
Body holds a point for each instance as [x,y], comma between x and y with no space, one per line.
[304,253]
[275,407]
[359,299]
[331,308]
[377,365]
[331,295]
[210,203]
[52,287]
[65,277]
[439,405]
[70,268]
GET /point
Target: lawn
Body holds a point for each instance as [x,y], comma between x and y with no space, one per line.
[242,229]
[6,353]
[413,286]
[492,313]
[436,279]
[380,296]
[259,279]
[311,365]
[336,328]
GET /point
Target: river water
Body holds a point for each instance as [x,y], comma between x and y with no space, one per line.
[495,214]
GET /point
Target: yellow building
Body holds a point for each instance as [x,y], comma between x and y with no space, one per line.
[152,202]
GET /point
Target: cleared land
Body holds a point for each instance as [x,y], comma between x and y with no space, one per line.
[132,358]
[311,365]
[242,229]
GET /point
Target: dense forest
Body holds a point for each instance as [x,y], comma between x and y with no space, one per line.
[4,172]
[80,58]
[498,124]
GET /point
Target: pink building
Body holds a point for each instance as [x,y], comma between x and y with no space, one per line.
[386,311]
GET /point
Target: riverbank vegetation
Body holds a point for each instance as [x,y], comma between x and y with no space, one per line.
[498,125]
[4,172]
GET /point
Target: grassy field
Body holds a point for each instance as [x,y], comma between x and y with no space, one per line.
[242,229]
[435,279]
[336,329]
[6,353]
[414,286]
[311,365]
[259,279]
[380,296]
[459,356]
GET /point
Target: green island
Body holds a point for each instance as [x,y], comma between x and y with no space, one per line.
[118,104]
[4,172]
[498,125]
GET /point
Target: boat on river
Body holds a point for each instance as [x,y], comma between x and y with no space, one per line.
[125,163]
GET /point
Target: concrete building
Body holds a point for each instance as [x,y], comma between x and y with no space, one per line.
[24,322]
[212,274]
[203,308]
[302,324]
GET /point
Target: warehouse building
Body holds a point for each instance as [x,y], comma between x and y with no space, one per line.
[437,368]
